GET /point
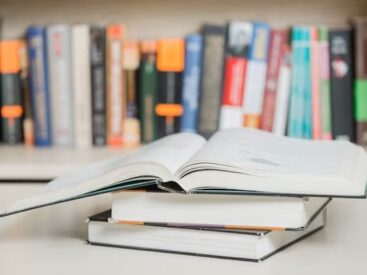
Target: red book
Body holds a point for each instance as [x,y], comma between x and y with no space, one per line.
[277,39]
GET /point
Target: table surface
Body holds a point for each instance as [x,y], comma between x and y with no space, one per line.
[52,241]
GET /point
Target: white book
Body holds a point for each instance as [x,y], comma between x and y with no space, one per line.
[233,161]
[82,85]
[228,244]
[60,81]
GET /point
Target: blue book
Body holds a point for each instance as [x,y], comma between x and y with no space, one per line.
[307,90]
[39,89]
[191,83]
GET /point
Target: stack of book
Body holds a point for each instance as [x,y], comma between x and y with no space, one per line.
[243,194]
[81,85]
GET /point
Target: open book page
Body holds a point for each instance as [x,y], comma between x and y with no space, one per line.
[263,154]
[158,160]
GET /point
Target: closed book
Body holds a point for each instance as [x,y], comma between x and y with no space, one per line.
[191,83]
[116,93]
[148,91]
[60,80]
[256,75]
[239,35]
[360,83]
[325,95]
[280,119]
[214,38]
[278,38]
[306,83]
[28,127]
[131,123]
[39,86]
[11,92]
[341,79]
[98,84]
[81,85]
[170,65]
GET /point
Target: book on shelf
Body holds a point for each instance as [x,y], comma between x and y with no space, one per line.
[248,245]
[233,161]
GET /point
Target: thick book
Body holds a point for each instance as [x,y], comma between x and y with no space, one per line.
[191,83]
[219,211]
[38,84]
[256,75]
[11,111]
[98,84]
[131,123]
[60,79]
[214,38]
[80,36]
[116,92]
[341,80]
[148,90]
[233,161]
[170,65]
[239,35]
[278,38]
[360,82]
[245,245]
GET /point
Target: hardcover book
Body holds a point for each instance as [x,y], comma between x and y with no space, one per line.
[307,83]
[233,161]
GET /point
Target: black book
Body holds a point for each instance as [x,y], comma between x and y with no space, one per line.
[98,78]
[341,80]
[214,38]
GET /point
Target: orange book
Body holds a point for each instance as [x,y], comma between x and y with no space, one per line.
[171,52]
[116,92]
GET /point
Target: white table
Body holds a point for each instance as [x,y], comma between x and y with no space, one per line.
[51,241]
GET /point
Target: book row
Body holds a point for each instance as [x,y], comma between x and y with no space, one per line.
[84,85]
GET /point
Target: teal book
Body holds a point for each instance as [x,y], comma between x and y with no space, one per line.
[306,87]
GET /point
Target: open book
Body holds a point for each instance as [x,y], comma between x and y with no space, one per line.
[238,161]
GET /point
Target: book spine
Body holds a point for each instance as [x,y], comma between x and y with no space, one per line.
[341,77]
[191,82]
[255,75]
[306,87]
[214,37]
[116,94]
[59,65]
[295,120]
[98,84]
[170,64]
[325,96]
[360,83]
[315,84]
[131,124]
[28,128]
[282,93]
[39,85]
[239,35]
[148,91]
[82,85]
[277,39]
[11,93]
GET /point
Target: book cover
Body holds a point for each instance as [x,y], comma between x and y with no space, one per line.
[283,92]
[116,93]
[325,96]
[170,65]
[60,75]
[341,78]
[214,37]
[82,85]
[360,82]
[255,75]
[191,83]
[306,83]
[11,92]
[277,39]
[148,91]
[131,123]
[39,86]
[98,84]
[239,35]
